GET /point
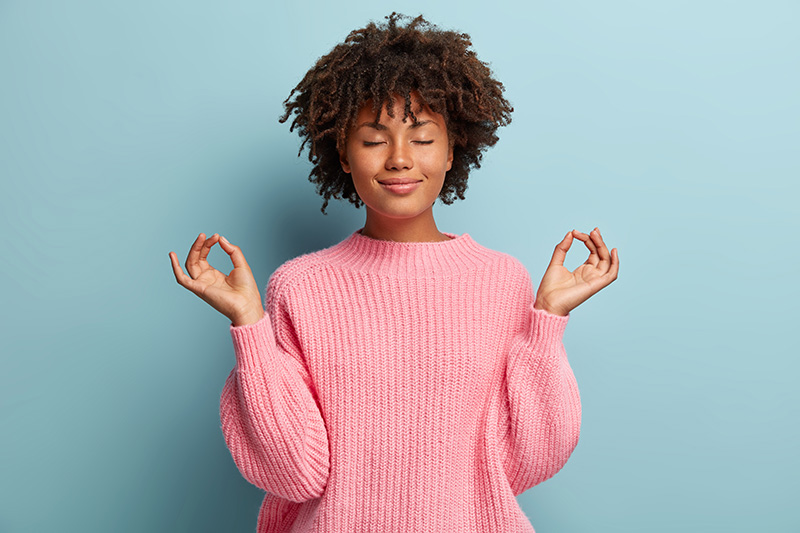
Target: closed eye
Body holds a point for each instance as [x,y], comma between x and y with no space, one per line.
[371,143]
[423,142]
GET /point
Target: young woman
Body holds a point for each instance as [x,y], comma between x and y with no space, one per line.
[404,379]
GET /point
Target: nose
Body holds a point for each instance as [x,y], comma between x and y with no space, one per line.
[399,157]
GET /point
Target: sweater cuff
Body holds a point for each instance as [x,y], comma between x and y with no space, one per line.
[247,340]
[547,329]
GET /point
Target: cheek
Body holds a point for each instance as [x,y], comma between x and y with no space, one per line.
[441,163]
[364,161]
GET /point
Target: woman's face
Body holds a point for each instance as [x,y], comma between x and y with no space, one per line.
[398,166]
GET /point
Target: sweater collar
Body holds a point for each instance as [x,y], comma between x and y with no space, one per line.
[410,259]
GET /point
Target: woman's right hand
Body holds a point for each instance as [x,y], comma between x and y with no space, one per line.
[236,295]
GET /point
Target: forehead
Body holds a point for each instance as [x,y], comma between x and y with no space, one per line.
[419,108]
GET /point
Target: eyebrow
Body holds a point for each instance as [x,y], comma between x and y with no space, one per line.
[381,127]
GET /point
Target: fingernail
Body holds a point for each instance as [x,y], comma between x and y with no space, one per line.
[223,239]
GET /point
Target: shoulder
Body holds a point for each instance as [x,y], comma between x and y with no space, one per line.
[512,279]
[501,262]
[295,272]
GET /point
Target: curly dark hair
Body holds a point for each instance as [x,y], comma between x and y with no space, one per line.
[378,61]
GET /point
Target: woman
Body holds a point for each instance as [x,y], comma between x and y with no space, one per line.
[404,379]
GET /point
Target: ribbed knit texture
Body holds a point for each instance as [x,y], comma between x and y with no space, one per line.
[400,387]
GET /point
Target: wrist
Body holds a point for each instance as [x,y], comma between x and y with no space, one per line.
[553,311]
[248,317]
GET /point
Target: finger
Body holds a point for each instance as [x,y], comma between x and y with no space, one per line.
[180,277]
[237,257]
[609,276]
[587,240]
[613,270]
[560,253]
[207,246]
[192,263]
[602,250]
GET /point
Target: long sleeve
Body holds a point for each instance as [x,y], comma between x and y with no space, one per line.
[270,419]
[542,408]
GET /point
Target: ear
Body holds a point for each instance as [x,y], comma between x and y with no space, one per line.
[344,162]
[450,158]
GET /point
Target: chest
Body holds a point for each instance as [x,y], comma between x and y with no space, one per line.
[389,338]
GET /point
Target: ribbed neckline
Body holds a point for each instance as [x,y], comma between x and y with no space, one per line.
[410,259]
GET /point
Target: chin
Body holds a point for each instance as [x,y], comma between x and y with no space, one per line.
[399,212]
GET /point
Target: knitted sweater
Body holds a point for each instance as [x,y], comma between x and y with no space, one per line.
[399,387]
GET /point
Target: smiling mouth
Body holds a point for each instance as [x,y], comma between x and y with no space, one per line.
[400,185]
[398,181]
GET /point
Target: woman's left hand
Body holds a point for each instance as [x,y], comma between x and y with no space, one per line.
[560,290]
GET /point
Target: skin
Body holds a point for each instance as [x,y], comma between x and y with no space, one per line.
[560,290]
[399,148]
[375,152]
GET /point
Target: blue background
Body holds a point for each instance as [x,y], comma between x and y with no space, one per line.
[128,128]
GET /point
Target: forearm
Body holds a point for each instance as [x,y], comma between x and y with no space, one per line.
[544,410]
[270,419]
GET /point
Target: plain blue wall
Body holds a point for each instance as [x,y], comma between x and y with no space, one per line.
[128,128]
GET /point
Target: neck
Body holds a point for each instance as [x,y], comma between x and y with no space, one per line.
[458,254]
[417,229]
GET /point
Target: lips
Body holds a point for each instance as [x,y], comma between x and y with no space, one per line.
[397,181]
[400,185]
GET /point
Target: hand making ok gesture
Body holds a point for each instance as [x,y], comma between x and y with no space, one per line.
[235,295]
[560,290]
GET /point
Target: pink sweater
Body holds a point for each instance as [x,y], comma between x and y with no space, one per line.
[400,387]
